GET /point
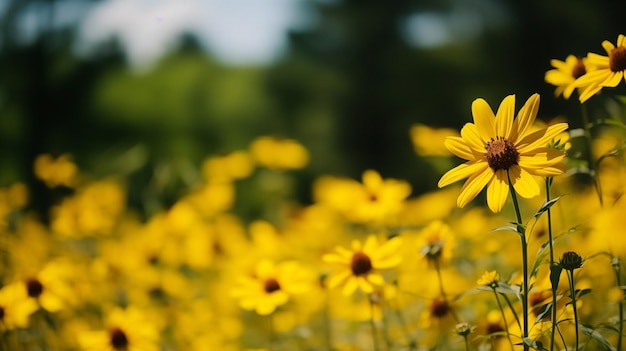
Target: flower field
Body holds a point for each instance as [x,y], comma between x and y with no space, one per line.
[527,253]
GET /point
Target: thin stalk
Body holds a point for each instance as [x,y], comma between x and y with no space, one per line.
[570,274]
[373,326]
[271,332]
[442,291]
[590,163]
[522,235]
[616,267]
[466,343]
[508,302]
[506,324]
[552,263]
[407,335]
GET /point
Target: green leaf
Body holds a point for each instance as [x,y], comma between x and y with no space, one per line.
[583,292]
[537,345]
[504,288]
[555,275]
[505,228]
[543,311]
[594,334]
[546,206]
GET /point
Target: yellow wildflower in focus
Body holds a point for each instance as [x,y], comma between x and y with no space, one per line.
[15,307]
[59,171]
[232,166]
[489,278]
[361,266]
[271,285]
[565,73]
[429,141]
[126,330]
[497,146]
[604,71]
[279,153]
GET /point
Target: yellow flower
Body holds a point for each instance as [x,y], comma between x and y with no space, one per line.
[375,200]
[277,153]
[15,307]
[235,165]
[126,330]
[56,171]
[271,285]
[565,73]
[604,71]
[362,265]
[489,278]
[495,145]
[429,141]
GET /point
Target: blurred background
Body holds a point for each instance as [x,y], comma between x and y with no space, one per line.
[150,88]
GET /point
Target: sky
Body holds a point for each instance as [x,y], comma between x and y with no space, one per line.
[235,31]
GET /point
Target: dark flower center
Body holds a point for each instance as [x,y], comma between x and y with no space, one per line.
[579,69]
[617,59]
[119,340]
[501,154]
[439,308]
[271,285]
[34,287]
[361,263]
[1,313]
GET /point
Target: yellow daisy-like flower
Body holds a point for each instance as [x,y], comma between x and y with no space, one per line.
[362,265]
[604,71]
[127,330]
[498,147]
[565,73]
[489,278]
[271,285]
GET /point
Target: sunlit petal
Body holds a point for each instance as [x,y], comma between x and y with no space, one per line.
[484,118]
[504,117]
[473,186]
[497,191]
[524,183]
[462,171]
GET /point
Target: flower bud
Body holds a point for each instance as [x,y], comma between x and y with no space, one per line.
[571,260]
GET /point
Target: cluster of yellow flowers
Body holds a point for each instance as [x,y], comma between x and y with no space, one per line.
[368,265]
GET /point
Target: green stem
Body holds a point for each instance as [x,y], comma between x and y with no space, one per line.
[508,302]
[590,163]
[552,264]
[506,324]
[373,325]
[570,274]
[616,266]
[407,335]
[522,235]
[442,291]
[466,343]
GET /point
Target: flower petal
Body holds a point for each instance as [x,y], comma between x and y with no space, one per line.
[523,182]
[614,79]
[472,137]
[459,147]
[540,138]
[462,171]
[484,118]
[504,117]
[525,118]
[473,186]
[497,191]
